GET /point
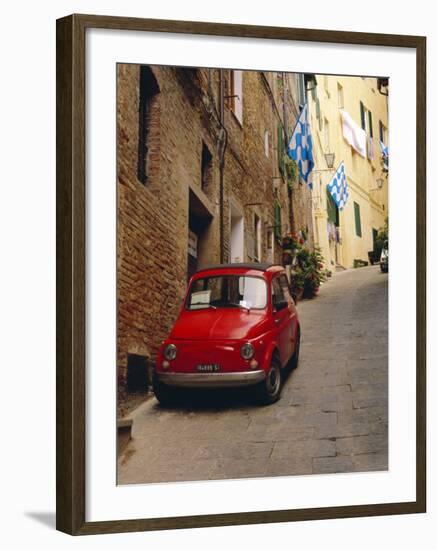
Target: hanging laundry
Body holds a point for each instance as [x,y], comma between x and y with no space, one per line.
[353,134]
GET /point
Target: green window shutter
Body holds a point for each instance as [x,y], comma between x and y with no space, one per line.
[357,219]
[363,116]
[374,237]
[370,124]
[381,132]
[332,209]
[277,213]
[281,149]
[302,90]
[329,207]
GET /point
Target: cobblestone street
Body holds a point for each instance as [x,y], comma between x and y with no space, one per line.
[331,417]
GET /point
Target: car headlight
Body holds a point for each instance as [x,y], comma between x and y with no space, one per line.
[170,352]
[247,351]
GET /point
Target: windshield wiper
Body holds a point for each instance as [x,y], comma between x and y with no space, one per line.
[232,304]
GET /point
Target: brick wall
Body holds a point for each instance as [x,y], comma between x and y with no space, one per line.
[154,217]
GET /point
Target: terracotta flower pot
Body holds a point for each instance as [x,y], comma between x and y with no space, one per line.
[299,294]
[287,258]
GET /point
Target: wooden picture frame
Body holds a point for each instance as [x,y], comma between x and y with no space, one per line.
[71,248]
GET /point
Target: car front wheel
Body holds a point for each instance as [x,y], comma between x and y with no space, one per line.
[270,388]
[163,393]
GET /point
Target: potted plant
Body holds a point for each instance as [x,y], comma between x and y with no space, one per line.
[314,273]
[290,246]
[308,272]
[291,172]
[290,242]
[297,283]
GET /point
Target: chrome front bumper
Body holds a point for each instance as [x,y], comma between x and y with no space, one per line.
[211,379]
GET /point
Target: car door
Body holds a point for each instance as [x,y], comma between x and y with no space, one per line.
[281,320]
[290,324]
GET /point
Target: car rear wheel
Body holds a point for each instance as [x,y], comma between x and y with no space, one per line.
[295,357]
[270,389]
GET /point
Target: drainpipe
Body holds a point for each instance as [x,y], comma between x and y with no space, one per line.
[222,149]
[291,219]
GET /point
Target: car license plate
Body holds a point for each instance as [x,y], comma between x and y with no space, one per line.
[212,367]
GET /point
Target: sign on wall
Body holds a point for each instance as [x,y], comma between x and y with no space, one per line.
[192,243]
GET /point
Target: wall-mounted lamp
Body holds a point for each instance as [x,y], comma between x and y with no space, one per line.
[310,81]
[382,84]
[330,159]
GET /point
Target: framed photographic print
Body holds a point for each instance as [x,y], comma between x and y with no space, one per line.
[240,274]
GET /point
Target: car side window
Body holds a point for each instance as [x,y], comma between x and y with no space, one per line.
[285,287]
[277,293]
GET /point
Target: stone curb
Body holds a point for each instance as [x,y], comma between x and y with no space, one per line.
[124,433]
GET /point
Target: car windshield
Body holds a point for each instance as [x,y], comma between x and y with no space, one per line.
[227,291]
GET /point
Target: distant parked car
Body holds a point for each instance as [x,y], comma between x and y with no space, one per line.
[383,262]
[238,326]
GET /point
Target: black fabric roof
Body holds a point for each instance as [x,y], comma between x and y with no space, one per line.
[260,266]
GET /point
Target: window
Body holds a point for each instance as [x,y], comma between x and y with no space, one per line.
[278,298]
[237,94]
[285,287]
[374,238]
[148,90]
[332,210]
[370,123]
[311,84]
[357,219]
[302,96]
[340,96]
[206,167]
[382,133]
[266,143]
[237,234]
[366,119]
[363,115]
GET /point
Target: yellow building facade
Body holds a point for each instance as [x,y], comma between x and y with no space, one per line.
[349,118]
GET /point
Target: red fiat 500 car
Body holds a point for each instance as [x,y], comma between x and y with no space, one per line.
[238,326]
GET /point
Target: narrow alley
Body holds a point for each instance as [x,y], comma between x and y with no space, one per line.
[332,415]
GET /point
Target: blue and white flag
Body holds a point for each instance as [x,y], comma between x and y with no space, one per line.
[384,151]
[300,148]
[338,187]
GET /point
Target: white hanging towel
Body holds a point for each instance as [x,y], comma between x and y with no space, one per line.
[354,134]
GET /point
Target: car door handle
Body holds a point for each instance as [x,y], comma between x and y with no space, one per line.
[277,321]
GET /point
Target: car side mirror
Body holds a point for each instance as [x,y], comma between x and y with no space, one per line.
[279,306]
